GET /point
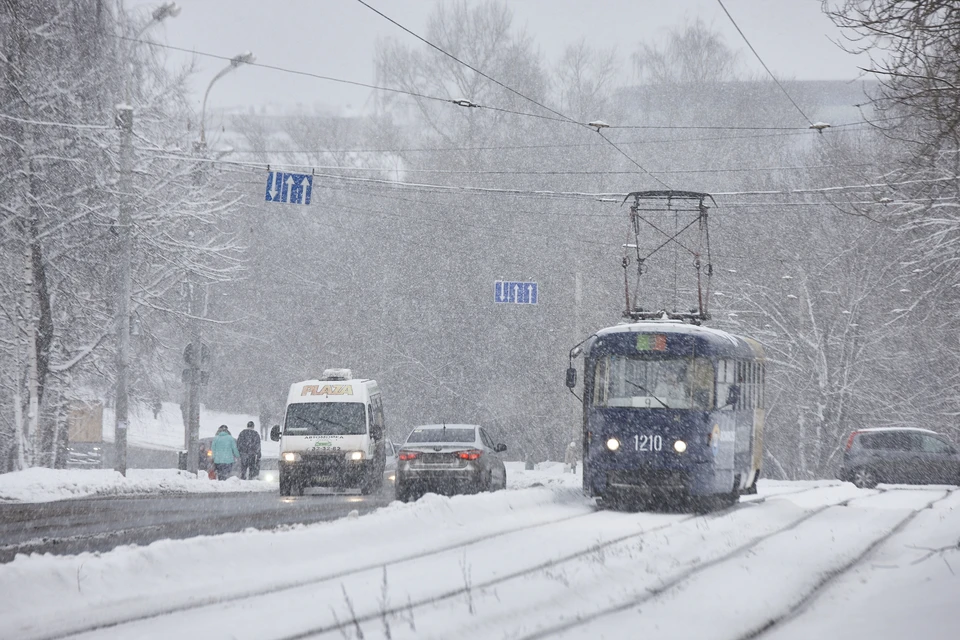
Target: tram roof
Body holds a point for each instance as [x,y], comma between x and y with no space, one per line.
[721,341]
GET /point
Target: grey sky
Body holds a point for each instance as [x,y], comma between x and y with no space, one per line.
[337,38]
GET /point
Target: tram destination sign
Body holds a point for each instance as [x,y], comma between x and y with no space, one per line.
[651,342]
[508,292]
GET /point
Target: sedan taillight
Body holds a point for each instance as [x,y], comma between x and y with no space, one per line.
[407,455]
[472,454]
[851,438]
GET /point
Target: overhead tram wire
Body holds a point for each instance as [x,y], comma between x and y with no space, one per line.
[512,90]
[795,132]
[480,172]
[258,167]
[343,81]
[764,64]
[818,205]
[559,117]
[65,125]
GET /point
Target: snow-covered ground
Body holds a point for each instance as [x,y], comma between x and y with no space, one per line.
[800,560]
[165,429]
[44,485]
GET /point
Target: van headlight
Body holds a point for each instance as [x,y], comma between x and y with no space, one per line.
[355,455]
[290,456]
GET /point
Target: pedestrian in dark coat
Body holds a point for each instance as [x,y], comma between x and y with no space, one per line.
[225,452]
[249,444]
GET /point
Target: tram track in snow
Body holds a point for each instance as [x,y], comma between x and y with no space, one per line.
[293,585]
[686,575]
[449,594]
[834,574]
[218,599]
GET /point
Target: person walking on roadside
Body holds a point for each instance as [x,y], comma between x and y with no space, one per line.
[225,452]
[249,444]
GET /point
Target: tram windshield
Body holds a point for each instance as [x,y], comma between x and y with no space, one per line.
[680,383]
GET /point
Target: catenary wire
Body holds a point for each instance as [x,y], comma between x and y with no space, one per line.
[66,125]
[763,64]
[512,90]
[260,166]
[559,118]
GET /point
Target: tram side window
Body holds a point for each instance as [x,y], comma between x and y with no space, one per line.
[748,376]
[726,377]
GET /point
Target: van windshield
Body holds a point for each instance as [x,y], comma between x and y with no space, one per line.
[325,419]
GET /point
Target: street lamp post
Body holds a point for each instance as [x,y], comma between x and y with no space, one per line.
[241,58]
[197,353]
[124,121]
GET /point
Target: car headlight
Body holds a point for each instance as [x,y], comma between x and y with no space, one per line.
[268,477]
[355,455]
[291,456]
[679,446]
[613,444]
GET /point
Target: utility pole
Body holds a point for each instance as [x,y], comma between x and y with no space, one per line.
[196,357]
[124,121]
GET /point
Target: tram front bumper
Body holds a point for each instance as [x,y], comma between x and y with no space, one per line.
[694,480]
[650,480]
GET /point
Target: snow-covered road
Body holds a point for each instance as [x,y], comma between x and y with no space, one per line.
[799,560]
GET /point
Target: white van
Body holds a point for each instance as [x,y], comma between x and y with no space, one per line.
[333,435]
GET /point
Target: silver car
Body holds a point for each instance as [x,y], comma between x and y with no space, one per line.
[900,455]
[450,459]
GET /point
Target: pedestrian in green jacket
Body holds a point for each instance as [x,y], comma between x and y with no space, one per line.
[225,452]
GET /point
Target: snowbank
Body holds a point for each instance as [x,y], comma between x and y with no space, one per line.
[45,485]
[553,474]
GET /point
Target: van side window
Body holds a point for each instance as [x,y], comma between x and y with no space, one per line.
[375,409]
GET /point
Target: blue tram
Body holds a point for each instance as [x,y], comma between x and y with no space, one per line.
[671,412]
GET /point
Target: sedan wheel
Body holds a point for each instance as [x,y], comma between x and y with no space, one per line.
[864,478]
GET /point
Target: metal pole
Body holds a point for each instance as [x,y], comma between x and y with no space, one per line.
[193,395]
[124,224]
[124,228]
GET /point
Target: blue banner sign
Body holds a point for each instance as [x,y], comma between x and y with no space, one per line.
[514,292]
[292,188]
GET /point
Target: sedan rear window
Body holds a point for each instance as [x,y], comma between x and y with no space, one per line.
[890,441]
[442,435]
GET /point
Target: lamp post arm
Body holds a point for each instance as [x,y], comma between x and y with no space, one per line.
[206,94]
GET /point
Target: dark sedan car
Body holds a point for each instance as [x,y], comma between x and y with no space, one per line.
[450,458]
[899,455]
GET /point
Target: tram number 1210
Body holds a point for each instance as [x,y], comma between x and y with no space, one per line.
[648,443]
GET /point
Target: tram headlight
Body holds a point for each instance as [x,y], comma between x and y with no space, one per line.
[613,444]
[679,446]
